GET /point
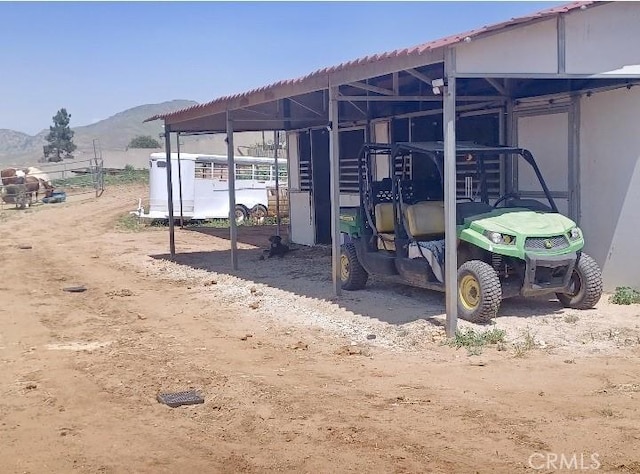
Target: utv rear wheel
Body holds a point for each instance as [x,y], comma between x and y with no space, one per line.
[479,291]
[585,285]
[352,275]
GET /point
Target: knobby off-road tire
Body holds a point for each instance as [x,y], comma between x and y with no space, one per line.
[352,275]
[586,282]
[479,291]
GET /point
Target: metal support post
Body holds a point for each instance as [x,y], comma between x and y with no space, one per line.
[450,259]
[167,147]
[180,179]
[231,178]
[276,145]
[334,153]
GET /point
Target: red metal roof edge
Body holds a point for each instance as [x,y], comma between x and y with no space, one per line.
[411,51]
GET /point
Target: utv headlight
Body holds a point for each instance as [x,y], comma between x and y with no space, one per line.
[574,234]
[498,238]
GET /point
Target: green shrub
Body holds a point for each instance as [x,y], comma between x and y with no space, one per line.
[474,341]
[144,141]
[625,295]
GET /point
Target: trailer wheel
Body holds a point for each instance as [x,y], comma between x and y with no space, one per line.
[352,275]
[479,291]
[585,285]
[242,214]
[259,213]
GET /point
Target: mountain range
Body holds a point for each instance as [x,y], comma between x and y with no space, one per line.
[111,135]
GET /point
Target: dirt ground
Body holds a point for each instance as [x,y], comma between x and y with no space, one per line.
[293,379]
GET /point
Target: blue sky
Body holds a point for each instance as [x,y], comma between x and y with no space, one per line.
[97,59]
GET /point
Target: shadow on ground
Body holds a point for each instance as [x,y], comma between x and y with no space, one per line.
[306,271]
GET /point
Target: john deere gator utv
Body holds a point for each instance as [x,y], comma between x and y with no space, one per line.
[507,245]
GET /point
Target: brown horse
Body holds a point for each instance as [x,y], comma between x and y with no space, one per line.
[21,187]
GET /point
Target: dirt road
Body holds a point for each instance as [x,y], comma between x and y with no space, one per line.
[80,371]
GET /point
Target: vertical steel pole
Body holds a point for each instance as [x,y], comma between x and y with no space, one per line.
[275,157]
[334,154]
[167,146]
[231,178]
[180,180]
[450,238]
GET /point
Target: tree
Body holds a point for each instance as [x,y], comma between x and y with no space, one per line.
[145,141]
[60,138]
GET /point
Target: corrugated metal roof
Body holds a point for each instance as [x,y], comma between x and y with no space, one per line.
[413,51]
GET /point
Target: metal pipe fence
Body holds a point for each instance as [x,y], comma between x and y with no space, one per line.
[68,178]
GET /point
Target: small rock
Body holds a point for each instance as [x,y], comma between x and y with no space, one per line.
[246,336]
[371,336]
[25,247]
[300,345]
[211,282]
[254,305]
[31,386]
[141,316]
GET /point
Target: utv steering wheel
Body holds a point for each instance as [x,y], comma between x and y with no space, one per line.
[504,197]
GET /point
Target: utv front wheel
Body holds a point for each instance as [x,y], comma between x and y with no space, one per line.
[479,291]
[585,287]
[352,275]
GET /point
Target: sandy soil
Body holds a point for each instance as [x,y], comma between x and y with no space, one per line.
[293,380]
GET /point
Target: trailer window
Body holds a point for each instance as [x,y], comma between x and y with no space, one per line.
[244,171]
[203,170]
[263,172]
[220,171]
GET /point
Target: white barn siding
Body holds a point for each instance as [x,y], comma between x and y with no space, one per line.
[610,180]
[527,49]
[604,39]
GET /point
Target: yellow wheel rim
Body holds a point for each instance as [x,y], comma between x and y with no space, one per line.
[469,292]
[344,267]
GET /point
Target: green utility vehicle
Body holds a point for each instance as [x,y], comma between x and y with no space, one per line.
[507,244]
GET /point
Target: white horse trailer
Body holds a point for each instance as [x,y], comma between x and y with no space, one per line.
[205,186]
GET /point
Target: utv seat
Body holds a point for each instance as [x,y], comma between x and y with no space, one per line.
[425,220]
[385,226]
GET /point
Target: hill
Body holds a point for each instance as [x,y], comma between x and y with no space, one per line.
[112,134]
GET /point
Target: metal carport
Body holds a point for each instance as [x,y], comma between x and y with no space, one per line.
[471,72]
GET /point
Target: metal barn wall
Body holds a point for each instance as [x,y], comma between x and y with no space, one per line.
[546,135]
[528,49]
[604,39]
[610,180]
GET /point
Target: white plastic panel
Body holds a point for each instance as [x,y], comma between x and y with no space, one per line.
[349,200]
[610,178]
[526,49]
[604,39]
[292,158]
[301,218]
[381,135]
